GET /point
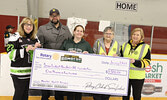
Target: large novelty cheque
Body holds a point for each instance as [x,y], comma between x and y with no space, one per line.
[89,73]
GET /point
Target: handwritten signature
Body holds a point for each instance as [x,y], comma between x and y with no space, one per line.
[109,86]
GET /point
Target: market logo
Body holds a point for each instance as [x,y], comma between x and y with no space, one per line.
[55,56]
[44,56]
[154,73]
[71,58]
[166,93]
[149,89]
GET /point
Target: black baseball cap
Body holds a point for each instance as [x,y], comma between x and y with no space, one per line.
[54,10]
[10,26]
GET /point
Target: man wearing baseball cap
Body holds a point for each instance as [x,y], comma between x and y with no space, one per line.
[8,32]
[51,36]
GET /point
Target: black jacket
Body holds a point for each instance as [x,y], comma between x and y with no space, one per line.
[20,59]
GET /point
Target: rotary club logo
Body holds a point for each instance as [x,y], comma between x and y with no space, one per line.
[55,56]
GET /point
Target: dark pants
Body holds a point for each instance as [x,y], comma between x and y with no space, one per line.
[101,97]
[45,94]
[21,87]
[74,96]
[136,88]
[59,95]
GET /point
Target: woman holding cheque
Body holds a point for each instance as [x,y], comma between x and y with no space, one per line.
[76,45]
[139,54]
[20,50]
[106,46]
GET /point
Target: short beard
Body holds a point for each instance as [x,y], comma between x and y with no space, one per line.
[55,22]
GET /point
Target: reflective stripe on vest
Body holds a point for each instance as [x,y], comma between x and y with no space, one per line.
[140,56]
[124,47]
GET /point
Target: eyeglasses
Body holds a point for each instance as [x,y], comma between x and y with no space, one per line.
[109,34]
[28,25]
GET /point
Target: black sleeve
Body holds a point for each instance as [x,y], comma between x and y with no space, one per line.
[15,51]
[121,52]
[13,45]
[144,62]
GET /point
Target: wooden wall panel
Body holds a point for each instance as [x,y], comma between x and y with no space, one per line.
[159,40]
[92,33]
[159,44]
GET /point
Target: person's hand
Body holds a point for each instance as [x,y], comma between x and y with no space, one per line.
[30,47]
[115,55]
[73,51]
[37,45]
[132,60]
[85,52]
[104,54]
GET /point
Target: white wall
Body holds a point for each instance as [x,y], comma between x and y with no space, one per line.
[6,83]
[150,12]
[13,7]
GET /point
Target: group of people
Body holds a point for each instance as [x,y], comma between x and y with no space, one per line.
[54,35]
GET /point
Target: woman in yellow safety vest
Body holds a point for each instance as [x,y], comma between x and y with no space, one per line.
[106,46]
[139,54]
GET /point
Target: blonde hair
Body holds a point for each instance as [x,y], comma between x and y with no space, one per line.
[141,33]
[21,27]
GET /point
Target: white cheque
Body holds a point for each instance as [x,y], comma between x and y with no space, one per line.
[88,73]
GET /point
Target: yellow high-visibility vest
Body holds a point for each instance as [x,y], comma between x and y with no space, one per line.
[138,54]
[114,49]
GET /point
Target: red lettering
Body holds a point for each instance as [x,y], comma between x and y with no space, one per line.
[148,68]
